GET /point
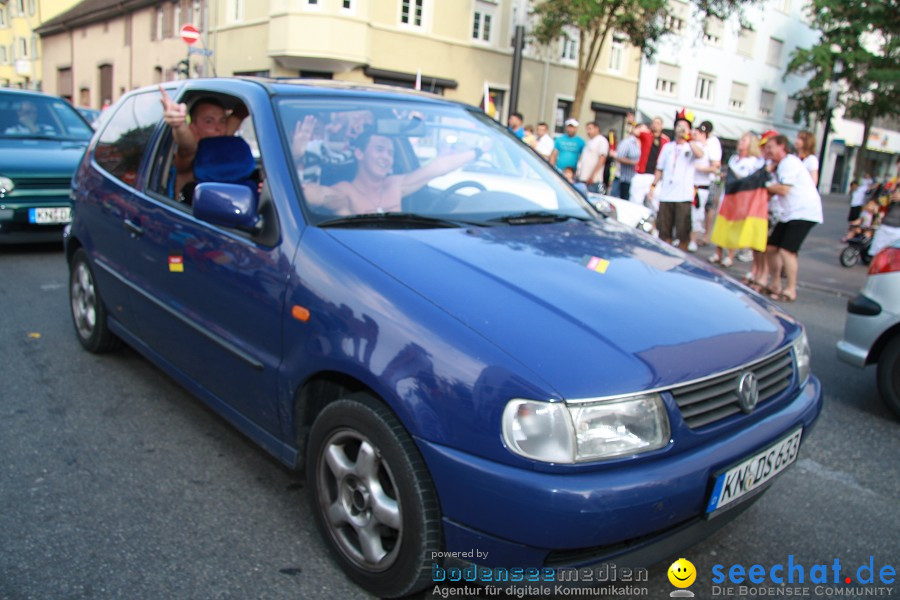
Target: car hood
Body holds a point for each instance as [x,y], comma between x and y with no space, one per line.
[29,157]
[594,309]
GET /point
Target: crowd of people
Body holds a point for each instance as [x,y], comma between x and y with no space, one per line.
[764,211]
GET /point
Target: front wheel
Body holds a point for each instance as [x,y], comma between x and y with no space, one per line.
[889,375]
[88,310]
[373,497]
[849,256]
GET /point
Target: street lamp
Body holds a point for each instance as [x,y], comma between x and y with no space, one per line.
[518,43]
[829,107]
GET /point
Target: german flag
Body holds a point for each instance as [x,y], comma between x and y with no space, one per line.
[743,219]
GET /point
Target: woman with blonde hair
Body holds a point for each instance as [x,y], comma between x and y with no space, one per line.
[805,145]
[738,225]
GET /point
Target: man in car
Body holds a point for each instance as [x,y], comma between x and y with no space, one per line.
[208,118]
[375,188]
[28,125]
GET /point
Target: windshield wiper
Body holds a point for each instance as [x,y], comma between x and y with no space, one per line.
[395,220]
[533,217]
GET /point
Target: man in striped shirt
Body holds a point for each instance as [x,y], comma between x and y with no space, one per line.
[627,156]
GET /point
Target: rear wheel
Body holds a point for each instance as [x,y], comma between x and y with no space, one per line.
[373,497]
[850,256]
[88,311]
[889,375]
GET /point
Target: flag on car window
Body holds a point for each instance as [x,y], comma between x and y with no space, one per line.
[743,219]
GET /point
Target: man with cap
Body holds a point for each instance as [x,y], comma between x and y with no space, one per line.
[800,209]
[675,180]
[567,148]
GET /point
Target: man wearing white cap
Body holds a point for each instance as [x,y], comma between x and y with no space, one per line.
[567,148]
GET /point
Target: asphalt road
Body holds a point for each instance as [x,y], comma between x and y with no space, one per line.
[116,483]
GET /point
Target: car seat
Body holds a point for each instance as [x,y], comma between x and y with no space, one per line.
[225,159]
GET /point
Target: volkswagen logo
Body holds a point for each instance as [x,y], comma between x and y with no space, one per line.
[748,391]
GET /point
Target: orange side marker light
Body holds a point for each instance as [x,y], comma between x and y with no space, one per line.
[300,313]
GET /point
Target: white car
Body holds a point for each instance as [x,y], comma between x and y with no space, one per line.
[630,213]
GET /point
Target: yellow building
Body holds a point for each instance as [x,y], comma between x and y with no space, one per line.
[101,48]
[20,45]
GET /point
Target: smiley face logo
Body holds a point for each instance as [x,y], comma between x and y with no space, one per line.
[682,573]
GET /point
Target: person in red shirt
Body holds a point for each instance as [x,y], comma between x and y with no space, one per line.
[652,141]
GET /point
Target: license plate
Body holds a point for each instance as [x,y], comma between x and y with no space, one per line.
[754,472]
[47,215]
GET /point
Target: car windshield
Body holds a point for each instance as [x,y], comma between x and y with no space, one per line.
[383,162]
[40,117]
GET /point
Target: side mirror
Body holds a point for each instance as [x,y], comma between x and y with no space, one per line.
[227,205]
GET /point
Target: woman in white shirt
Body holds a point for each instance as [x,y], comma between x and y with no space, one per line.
[747,161]
[805,145]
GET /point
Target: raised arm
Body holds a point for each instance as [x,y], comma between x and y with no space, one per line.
[175,116]
[441,165]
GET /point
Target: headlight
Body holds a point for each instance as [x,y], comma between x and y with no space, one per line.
[561,433]
[802,357]
[6,186]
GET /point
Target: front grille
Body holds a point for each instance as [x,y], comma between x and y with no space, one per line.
[49,183]
[712,400]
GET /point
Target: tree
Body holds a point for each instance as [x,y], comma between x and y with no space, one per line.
[641,22]
[864,35]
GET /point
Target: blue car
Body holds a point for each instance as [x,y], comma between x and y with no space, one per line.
[471,363]
[42,140]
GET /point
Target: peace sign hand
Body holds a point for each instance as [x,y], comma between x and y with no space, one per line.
[174,114]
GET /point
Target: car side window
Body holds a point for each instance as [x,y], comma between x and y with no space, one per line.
[127,134]
[168,183]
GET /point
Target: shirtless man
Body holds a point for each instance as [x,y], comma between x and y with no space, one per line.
[208,119]
[374,189]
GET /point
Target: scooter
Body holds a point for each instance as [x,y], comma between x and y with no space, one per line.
[857,250]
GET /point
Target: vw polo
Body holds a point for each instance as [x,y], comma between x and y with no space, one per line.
[489,364]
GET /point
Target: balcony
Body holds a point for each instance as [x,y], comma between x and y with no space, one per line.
[318,42]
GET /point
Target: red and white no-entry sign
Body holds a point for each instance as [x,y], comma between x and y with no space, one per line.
[190,34]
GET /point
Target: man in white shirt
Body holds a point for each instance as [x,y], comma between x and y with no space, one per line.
[593,158]
[800,210]
[543,144]
[675,178]
[706,170]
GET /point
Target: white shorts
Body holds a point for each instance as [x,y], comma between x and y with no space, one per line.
[698,213]
[640,185]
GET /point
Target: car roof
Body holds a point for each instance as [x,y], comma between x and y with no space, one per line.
[310,87]
[22,92]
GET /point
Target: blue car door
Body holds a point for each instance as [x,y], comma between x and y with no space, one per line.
[209,302]
[105,193]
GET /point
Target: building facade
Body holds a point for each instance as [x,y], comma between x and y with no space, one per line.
[101,48]
[20,45]
[727,74]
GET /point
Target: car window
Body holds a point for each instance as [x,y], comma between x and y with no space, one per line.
[366,156]
[127,134]
[36,116]
[166,183]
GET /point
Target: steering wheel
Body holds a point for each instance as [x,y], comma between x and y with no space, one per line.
[446,203]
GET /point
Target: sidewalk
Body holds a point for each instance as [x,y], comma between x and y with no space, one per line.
[820,268]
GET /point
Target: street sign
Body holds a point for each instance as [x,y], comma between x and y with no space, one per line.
[200,51]
[190,34]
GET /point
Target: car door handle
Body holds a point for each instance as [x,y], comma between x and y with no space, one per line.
[134,229]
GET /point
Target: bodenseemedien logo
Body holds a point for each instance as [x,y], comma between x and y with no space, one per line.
[682,574]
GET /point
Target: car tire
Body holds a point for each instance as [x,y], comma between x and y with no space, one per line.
[889,375]
[849,256]
[88,311]
[373,497]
